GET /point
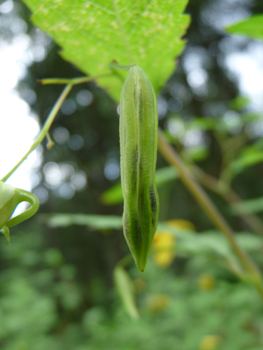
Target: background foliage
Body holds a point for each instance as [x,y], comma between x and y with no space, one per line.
[57,279]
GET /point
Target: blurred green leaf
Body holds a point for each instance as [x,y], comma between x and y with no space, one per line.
[250,155]
[197,153]
[42,316]
[211,244]
[254,205]
[124,287]
[251,117]
[54,257]
[69,295]
[98,222]
[164,175]
[207,123]
[246,159]
[251,27]
[239,103]
[114,194]
[187,241]
[223,125]
[92,34]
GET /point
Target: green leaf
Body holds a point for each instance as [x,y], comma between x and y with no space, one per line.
[254,205]
[239,103]
[221,125]
[114,194]
[251,155]
[207,123]
[251,27]
[98,222]
[93,33]
[164,175]
[187,241]
[245,160]
[211,243]
[197,153]
[124,287]
[251,117]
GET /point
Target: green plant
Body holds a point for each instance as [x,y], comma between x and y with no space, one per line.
[138,141]
[130,30]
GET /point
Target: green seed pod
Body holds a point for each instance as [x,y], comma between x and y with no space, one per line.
[138,140]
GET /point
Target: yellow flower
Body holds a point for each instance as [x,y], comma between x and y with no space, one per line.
[210,342]
[158,303]
[139,285]
[164,242]
[180,224]
[206,282]
[164,248]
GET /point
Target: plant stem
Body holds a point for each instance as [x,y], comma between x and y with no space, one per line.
[45,130]
[50,142]
[212,212]
[73,81]
[125,261]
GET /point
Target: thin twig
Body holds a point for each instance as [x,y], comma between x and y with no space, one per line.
[44,130]
[73,81]
[53,113]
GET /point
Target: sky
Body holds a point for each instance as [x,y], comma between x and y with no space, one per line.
[19,126]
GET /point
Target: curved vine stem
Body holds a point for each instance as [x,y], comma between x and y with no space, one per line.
[212,212]
[45,129]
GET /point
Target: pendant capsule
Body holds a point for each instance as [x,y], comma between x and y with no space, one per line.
[138,141]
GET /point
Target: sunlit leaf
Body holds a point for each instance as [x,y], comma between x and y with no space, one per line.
[93,33]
